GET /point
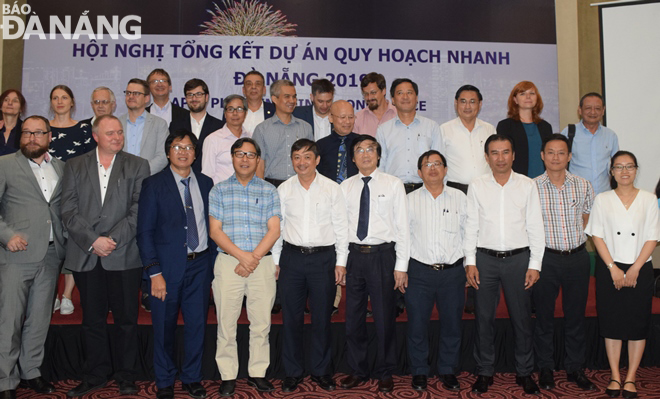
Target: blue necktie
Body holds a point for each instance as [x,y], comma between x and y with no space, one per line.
[363,220]
[193,236]
[341,161]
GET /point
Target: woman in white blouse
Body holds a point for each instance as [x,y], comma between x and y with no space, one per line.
[624,228]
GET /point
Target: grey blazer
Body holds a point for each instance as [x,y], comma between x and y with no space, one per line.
[24,209]
[152,146]
[86,219]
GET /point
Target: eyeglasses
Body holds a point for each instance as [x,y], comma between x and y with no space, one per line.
[369,93]
[344,117]
[435,164]
[134,93]
[619,168]
[362,150]
[180,148]
[196,95]
[156,81]
[37,133]
[241,154]
[104,102]
[231,110]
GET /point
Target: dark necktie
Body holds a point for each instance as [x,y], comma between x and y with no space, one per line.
[363,220]
[341,161]
[193,236]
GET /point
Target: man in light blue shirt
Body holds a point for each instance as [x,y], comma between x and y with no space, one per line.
[594,144]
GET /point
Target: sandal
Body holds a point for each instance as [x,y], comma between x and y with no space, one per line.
[629,394]
[613,393]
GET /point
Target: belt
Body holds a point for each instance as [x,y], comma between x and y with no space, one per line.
[568,251]
[195,255]
[309,250]
[459,186]
[503,254]
[441,266]
[409,187]
[274,182]
[368,249]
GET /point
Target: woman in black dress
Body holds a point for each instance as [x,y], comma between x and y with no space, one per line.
[70,137]
[13,106]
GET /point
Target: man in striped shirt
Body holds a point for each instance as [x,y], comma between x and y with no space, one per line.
[566,201]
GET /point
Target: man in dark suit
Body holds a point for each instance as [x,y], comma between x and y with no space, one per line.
[160,86]
[174,246]
[100,192]
[254,89]
[317,114]
[200,122]
[31,247]
[336,161]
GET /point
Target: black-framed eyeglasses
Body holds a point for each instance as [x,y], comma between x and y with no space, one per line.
[134,93]
[37,133]
[199,94]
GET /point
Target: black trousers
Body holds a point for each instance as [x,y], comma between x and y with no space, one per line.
[102,290]
[571,273]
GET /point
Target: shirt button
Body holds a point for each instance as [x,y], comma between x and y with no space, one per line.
[618,233]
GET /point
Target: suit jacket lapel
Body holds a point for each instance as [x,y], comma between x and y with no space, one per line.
[92,170]
[114,182]
[25,167]
[172,184]
[146,130]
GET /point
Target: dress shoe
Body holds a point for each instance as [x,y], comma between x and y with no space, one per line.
[277,308]
[546,379]
[629,394]
[195,390]
[386,384]
[66,306]
[450,382]
[145,302]
[613,393]
[419,382]
[352,381]
[165,393]
[127,387]
[528,385]
[370,314]
[85,388]
[482,383]
[8,394]
[335,310]
[227,388]
[581,380]
[325,382]
[38,385]
[290,384]
[261,384]
[469,309]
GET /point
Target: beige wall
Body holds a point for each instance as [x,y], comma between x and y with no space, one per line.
[11,54]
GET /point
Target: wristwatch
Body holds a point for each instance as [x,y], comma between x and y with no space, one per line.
[610,265]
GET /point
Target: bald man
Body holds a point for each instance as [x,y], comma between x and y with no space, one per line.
[336,162]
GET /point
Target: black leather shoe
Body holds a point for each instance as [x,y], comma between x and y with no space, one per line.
[325,382]
[629,394]
[419,382]
[127,387]
[469,309]
[227,388]
[613,393]
[450,382]
[546,379]
[195,390]
[352,381]
[482,383]
[145,302]
[261,384]
[84,388]
[38,385]
[386,384]
[290,384]
[165,393]
[8,394]
[581,380]
[528,385]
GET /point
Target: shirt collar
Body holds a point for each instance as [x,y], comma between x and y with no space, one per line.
[167,106]
[414,122]
[98,160]
[178,178]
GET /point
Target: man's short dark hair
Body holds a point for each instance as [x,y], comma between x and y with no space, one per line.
[41,119]
[142,83]
[556,136]
[592,94]
[365,137]
[253,72]
[373,77]
[320,86]
[159,71]
[498,137]
[239,143]
[193,83]
[305,144]
[468,88]
[427,154]
[403,80]
[180,134]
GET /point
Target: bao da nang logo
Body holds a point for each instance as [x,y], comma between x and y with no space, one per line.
[14,27]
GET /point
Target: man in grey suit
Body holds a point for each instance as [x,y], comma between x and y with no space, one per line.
[145,133]
[100,192]
[31,248]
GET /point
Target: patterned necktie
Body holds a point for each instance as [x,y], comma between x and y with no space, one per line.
[363,220]
[193,236]
[341,161]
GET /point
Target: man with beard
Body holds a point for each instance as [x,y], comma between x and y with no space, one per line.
[201,123]
[160,86]
[32,244]
[318,114]
[378,110]
[254,90]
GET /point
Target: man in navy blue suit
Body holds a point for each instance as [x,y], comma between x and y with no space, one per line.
[318,114]
[176,253]
[254,89]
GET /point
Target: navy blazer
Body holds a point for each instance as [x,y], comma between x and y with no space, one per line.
[516,130]
[211,124]
[306,113]
[161,233]
[269,110]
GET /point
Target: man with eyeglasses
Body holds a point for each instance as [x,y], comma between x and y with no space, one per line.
[145,132]
[379,247]
[103,103]
[336,161]
[160,86]
[258,110]
[378,109]
[200,122]
[317,114]
[177,256]
[437,215]
[245,219]
[216,157]
[32,245]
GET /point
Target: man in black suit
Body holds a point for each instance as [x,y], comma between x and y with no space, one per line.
[254,89]
[200,122]
[336,161]
[160,86]
[318,114]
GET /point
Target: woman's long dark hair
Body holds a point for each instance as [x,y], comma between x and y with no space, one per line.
[618,154]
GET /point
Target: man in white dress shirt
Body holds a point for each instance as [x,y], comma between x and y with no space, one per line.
[311,253]
[504,245]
